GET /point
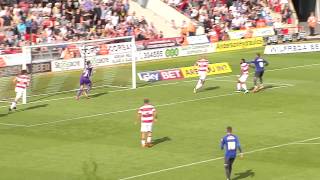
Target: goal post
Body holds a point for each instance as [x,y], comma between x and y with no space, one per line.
[63,59]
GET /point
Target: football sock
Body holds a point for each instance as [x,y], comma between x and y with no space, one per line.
[261,80]
[149,139]
[79,92]
[143,142]
[199,85]
[13,104]
[88,89]
[255,81]
[238,86]
[244,86]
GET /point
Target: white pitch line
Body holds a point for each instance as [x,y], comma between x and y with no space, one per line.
[14,125]
[215,159]
[269,83]
[134,109]
[166,84]
[307,143]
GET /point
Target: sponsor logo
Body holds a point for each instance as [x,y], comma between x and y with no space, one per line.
[151,54]
[151,76]
[239,44]
[256,32]
[292,48]
[10,70]
[172,52]
[62,65]
[217,68]
[119,48]
[171,74]
[39,67]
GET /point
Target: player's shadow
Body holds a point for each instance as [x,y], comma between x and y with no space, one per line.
[32,107]
[3,115]
[97,95]
[90,170]
[264,88]
[211,88]
[161,140]
[25,109]
[243,175]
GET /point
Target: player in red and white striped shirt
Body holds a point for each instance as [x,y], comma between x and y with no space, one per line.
[146,115]
[22,82]
[202,64]
[241,85]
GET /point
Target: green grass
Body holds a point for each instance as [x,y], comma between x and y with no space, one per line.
[96,139]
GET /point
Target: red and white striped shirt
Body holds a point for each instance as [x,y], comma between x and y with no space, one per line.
[147,112]
[22,81]
[203,65]
[244,68]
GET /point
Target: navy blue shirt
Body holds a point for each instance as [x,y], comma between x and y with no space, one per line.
[230,143]
[259,64]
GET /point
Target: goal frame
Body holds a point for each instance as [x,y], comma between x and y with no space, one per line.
[132,41]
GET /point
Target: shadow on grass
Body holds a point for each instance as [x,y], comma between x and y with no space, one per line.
[243,175]
[264,88]
[211,88]
[32,107]
[5,114]
[161,140]
[97,95]
[24,109]
[90,170]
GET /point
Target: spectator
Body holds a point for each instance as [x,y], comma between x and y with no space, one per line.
[312,23]
[286,14]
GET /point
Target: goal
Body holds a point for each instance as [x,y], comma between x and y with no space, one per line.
[55,68]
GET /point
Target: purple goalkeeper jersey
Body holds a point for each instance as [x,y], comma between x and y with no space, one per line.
[86,75]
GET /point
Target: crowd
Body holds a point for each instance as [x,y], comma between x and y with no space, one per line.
[221,16]
[26,22]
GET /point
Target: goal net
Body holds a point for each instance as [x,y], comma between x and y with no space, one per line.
[56,68]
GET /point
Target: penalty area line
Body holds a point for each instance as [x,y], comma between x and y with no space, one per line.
[218,158]
[134,109]
[13,125]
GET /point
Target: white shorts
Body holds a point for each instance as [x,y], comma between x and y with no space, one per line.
[243,78]
[202,75]
[19,92]
[146,127]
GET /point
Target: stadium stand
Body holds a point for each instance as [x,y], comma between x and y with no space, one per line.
[222,16]
[28,22]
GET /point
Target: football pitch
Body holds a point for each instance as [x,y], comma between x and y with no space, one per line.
[55,137]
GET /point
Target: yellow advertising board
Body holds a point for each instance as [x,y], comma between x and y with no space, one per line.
[239,44]
[217,68]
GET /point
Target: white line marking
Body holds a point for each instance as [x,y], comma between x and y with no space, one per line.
[134,109]
[14,125]
[166,84]
[218,158]
[269,83]
[308,143]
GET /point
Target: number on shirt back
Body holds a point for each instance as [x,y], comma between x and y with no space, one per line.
[261,64]
[231,145]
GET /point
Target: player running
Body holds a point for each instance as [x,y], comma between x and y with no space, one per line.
[85,81]
[259,64]
[146,115]
[202,64]
[231,143]
[241,85]
[22,81]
